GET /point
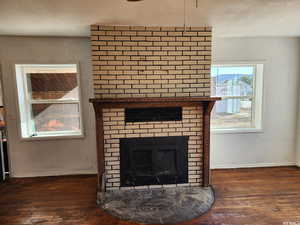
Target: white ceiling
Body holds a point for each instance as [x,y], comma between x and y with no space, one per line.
[72,17]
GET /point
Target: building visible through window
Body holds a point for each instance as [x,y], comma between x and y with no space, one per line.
[237,85]
[49,100]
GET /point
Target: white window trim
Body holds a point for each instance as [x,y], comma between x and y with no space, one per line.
[58,135]
[257,112]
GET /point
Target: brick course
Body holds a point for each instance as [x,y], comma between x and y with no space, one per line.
[164,61]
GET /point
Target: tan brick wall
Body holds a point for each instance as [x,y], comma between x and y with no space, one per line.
[142,61]
[116,128]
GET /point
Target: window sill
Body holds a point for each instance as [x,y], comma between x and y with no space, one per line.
[49,138]
[236,131]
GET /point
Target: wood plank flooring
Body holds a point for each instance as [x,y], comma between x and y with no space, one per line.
[260,196]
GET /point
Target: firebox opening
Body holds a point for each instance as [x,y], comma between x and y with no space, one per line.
[154,161]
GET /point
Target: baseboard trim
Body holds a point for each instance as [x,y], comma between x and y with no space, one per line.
[252,165]
[53,173]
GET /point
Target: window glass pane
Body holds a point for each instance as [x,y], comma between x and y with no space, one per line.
[232,81]
[232,113]
[48,97]
[56,117]
[53,86]
[235,85]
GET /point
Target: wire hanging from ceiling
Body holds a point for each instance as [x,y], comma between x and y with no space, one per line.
[184,12]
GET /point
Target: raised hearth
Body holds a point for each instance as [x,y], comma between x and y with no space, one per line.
[158,206]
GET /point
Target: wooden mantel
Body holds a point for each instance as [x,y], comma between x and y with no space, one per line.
[206,102]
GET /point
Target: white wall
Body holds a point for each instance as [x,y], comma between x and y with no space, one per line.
[298,144]
[55,157]
[298,133]
[276,144]
[298,155]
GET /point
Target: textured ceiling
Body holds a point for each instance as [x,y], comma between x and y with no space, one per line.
[72,17]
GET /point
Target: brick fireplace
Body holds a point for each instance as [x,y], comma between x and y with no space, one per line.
[160,68]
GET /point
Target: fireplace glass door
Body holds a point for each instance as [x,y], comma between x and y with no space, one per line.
[154,161]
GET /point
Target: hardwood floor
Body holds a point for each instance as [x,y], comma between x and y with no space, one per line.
[263,196]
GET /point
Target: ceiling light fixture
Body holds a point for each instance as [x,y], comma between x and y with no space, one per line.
[134,0]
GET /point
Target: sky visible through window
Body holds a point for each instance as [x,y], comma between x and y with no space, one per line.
[230,70]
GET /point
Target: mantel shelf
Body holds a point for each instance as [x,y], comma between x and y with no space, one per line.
[151,102]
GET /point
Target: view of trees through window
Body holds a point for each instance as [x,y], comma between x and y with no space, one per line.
[235,84]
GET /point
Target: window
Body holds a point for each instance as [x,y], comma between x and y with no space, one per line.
[49,100]
[240,87]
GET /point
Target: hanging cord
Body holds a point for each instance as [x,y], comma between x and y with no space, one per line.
[184,22]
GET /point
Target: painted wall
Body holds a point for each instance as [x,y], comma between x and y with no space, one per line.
[298,132]
[51,157]
[298,154]
[298,146]
[276,144]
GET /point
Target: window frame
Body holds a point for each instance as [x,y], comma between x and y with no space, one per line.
[257,108]
[45,135]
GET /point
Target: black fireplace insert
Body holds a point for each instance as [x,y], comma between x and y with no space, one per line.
[154,161]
